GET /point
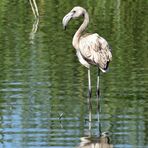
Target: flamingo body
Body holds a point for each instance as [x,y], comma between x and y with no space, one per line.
[91,49]
[95,51]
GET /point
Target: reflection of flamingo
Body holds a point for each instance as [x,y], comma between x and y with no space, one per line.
[91,49]
[101,142]
[36,22]
[34,8]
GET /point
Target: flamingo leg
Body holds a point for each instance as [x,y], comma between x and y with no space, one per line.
[89,98]
[98,90]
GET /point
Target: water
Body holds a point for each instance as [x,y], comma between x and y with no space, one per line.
[43,88]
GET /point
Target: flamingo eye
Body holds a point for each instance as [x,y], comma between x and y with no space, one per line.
[74,11]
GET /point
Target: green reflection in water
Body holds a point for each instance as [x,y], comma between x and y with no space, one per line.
[40,77]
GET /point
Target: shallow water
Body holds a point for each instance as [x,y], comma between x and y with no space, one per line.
[43,88]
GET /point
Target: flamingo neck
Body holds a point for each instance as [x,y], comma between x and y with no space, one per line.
[80,31]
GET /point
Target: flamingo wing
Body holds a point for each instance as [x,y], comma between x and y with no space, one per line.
[95,50]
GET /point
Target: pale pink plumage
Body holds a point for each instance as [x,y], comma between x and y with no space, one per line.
[91,49]
[95,50]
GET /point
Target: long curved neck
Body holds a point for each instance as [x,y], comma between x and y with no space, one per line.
[80,31]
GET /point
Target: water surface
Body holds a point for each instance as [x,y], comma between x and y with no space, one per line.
[43,88]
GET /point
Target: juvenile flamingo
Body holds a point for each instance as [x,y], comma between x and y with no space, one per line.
[91,49]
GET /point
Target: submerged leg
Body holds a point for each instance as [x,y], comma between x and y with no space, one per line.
[89,98]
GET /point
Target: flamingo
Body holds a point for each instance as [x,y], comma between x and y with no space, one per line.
[91,49]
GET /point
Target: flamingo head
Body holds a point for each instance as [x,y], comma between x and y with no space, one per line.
[74,13]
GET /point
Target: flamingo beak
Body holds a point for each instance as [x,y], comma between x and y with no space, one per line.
[66,19]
